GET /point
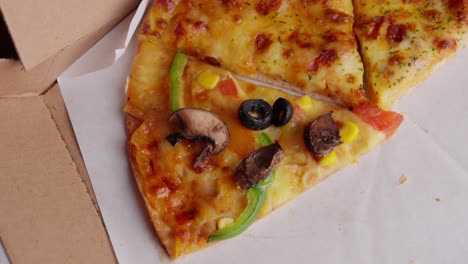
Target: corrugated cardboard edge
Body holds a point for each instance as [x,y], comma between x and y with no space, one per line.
[47,214]
[54,102]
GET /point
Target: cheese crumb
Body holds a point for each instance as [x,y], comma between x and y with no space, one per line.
[402,180]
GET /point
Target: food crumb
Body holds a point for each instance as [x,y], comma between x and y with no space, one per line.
[402,180]
[426,130]
[437,199]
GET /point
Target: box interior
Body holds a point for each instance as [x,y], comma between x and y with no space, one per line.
[7,48]
[48,209]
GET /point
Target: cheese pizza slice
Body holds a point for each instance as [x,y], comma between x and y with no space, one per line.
[307,45]
[401,42]
[211,153]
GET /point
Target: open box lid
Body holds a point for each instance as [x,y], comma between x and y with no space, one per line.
[41,29]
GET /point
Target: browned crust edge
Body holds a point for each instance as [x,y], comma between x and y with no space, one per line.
[162,230]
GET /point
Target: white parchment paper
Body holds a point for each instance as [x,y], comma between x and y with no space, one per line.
[359,215]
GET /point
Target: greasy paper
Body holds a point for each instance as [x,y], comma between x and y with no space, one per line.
[362,214]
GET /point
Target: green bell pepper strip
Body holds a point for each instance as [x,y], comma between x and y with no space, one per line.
[175,77]
[255,198]
[263,140]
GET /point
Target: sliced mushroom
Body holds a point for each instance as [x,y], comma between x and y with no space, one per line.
[203,125]
[257,165]
[322,135]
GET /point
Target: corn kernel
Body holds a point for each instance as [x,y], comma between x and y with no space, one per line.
[349,132]
[329,159]
[208,79]
[224,222]
[305,103]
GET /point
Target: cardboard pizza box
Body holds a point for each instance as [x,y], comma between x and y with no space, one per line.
[40,39]
[48,212]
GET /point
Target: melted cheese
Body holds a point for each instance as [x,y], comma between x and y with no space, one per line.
[402,41]
[309,44]
[184,205]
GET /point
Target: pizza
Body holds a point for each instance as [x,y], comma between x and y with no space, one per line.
[207,167]
[307,45]
[402,41]
[312,46]
[213,152]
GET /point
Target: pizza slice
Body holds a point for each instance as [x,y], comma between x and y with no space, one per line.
[401,42]
[211,153]
[307,45]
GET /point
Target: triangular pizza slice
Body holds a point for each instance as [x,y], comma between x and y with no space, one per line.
[211,153]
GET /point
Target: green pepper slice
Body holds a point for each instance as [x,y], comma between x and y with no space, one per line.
[255,198]
[263,140]
[175,77]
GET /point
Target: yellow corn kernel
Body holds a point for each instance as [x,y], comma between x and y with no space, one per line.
[349,132]
[305,103]
[224,222]
[329,159]
[208,79]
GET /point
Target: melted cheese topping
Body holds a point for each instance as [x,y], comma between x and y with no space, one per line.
[185,205]
[403,40]
[309,44]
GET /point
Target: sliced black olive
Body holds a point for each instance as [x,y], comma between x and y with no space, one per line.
[282,112]
[255,114]
[322,135]
[174,138]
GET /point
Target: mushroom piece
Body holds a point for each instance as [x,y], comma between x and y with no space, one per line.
[203,125]
[257,165]
[322,135]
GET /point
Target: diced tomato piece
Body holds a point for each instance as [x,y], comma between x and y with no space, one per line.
[298,113]
[385,121]
[228,87]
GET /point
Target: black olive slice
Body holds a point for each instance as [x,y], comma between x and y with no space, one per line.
[255,114]
[282,112]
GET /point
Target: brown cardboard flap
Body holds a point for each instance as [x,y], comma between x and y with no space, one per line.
[54,101]
[46,213]
[43,28]
[17,81]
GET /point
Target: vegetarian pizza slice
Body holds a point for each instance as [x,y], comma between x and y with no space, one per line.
[307,45]
[211,153]
[402,41]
